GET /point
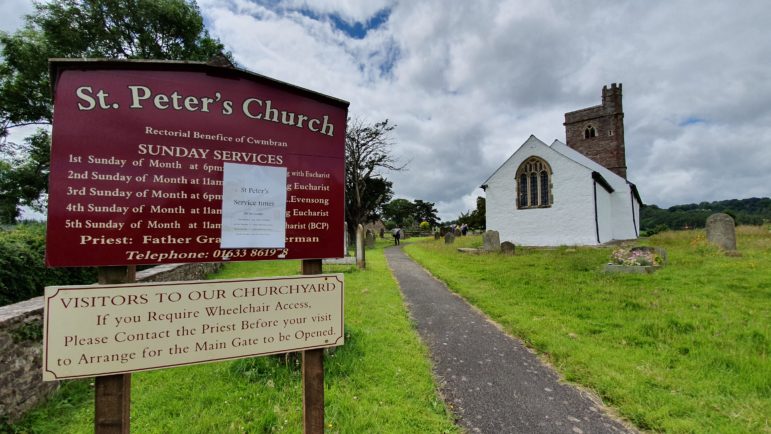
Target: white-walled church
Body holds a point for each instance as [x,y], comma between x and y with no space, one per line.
[568,194]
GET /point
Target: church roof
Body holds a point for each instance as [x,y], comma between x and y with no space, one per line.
[605,177]
[532,140]
[606,173]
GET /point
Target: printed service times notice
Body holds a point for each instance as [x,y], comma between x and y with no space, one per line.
[253,206]
[111,329]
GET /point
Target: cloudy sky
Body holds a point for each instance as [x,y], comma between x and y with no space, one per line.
[468,81]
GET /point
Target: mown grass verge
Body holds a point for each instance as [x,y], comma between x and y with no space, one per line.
[684,350]
[379,381]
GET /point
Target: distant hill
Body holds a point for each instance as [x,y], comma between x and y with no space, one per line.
[752,211]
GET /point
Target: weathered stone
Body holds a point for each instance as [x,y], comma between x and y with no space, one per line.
[606,149]
[436,235]
[370,239]
[348,260]
[171,272]
[507,248]
[449,238]
[721,231]
[656,250]
[346,241]
[492,241]
[360,260]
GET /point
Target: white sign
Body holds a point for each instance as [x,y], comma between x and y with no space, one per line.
[253,206]
[111,329]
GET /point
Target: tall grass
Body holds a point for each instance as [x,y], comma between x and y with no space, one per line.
[683,350]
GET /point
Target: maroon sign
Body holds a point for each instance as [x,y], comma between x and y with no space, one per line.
[137,159]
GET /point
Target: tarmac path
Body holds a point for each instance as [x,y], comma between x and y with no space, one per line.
[492,382]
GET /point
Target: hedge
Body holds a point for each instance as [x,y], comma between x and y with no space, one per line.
[23,274]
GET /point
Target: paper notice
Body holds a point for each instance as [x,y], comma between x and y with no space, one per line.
[253,206]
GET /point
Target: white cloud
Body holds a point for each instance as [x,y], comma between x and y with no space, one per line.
[468,82]
[472,80]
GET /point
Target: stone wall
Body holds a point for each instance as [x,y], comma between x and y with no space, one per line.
[607,147]
[172,272]
[21,342]
[21,355]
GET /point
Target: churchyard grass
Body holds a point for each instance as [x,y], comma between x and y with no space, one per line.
[379,381]
[683,350]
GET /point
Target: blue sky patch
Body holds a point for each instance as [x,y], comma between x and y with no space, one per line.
[692,121]
[358,30]
[355,30]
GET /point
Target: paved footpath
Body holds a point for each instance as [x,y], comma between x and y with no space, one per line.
[493,383]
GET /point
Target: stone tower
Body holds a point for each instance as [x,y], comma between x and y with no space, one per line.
[598,132]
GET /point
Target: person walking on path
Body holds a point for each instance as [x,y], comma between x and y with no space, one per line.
[490,380]
[397,235]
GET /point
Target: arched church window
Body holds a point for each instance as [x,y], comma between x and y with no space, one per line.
[543,187]
[523,191]
[590,132]
[534,184]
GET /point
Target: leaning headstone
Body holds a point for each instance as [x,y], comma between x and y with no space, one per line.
[360,261]
[449,238]
[507,248]
[492,241]
[721,231]
[370,239]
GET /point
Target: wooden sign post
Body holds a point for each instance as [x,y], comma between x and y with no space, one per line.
[170,162]
[112,393]
[313,374]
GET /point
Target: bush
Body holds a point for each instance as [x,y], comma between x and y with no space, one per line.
[23,274]
[424,226]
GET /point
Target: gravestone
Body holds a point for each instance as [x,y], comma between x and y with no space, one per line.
[345,239]
[492,241]
[655,250]
[436,235]
[360,261]
[721,231]
[370,239]
[449,238]
[507,248]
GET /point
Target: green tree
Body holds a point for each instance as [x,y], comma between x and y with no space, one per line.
[426,212]
[752,211]
[475,218]
[367,153]
[399,211]
[116,29]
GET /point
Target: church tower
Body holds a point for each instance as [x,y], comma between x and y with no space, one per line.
[598,132]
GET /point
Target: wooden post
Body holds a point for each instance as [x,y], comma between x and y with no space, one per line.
[112,406]
[313,374]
